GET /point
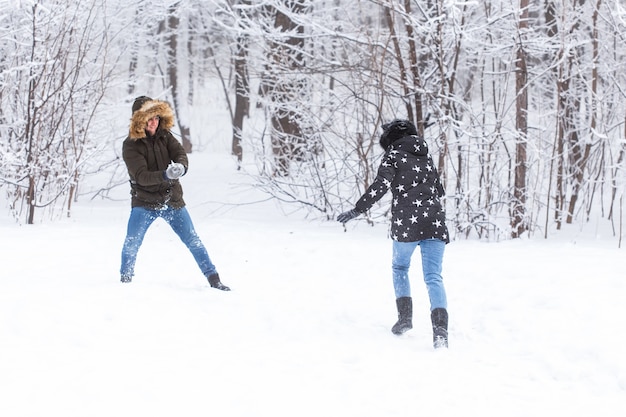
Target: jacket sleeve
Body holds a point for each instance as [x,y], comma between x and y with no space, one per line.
[176,151]
[138,166]
[380,186]
[440,190]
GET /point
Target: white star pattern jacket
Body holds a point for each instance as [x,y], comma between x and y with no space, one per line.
[408,170]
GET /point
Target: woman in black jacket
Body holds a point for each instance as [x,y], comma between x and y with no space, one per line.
[418,219]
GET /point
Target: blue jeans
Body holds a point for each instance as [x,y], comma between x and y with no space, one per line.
[432,259]
[179,220]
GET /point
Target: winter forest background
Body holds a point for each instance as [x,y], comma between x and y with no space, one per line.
[522,102]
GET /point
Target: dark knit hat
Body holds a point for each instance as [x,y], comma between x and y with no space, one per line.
[396,129]
[140,101]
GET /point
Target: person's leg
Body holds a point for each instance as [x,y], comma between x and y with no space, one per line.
[432,260]
[181,223]
[400,263]
[138,223]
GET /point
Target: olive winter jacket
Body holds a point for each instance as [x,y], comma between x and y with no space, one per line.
[147,157]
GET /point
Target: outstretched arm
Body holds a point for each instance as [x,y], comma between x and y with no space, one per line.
[374,192]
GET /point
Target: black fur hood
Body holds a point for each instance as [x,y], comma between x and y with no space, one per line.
[395,130]
[412,144]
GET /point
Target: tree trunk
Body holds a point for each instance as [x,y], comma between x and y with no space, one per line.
[287,57]
[172,72]
[518,211]
[417,82]
[398,55]
[242,92]
[582,156]
[134,58]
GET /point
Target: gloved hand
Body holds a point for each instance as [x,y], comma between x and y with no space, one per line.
[346,216]
[174,170]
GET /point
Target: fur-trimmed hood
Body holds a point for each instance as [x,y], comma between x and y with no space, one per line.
[148,110]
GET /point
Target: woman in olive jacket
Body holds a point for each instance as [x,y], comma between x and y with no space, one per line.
[417,219]
[155,160]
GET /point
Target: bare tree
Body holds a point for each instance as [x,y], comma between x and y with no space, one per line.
[284,84]
[50,91]
[518,210]
[581,148]
[242,87]
[173,23]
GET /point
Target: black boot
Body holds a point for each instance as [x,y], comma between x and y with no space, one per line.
[405,315]
[214,281]
[439,318]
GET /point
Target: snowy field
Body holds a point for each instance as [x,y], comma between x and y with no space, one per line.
[536,327]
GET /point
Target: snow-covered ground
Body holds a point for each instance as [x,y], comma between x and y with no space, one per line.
[536,326]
